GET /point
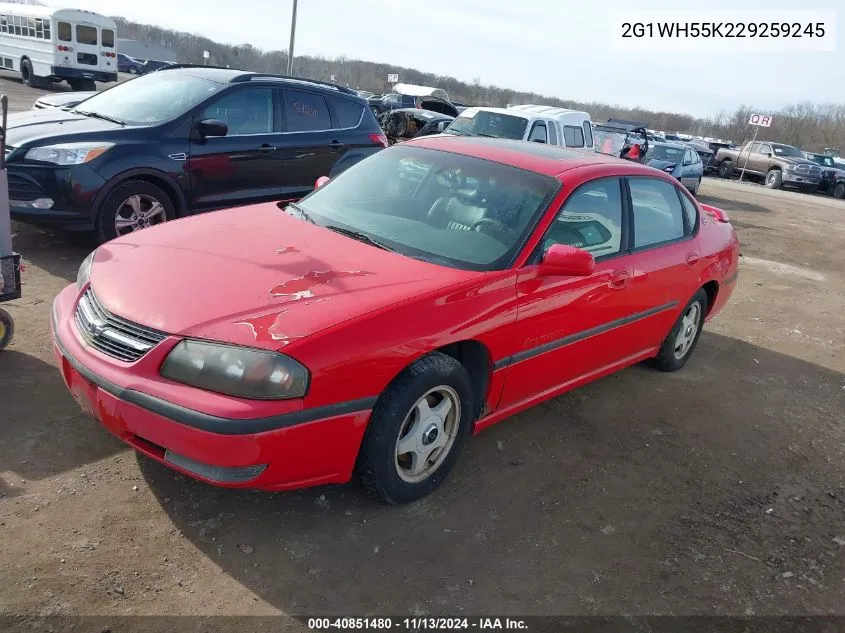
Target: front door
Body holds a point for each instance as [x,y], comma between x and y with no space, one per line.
[244,166]
[573,328]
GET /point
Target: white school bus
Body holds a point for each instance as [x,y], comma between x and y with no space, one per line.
[47,44]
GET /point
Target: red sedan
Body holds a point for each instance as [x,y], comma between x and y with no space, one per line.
[430,291]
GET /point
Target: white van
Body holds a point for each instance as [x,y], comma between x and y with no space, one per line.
[47,44]
[540,124]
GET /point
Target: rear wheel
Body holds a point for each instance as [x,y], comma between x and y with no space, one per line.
[27,76]
[681,341]
[82,85]
[7,329]
[417,430]
[132,206]
[839,190]
[696,187]
[774,179]
[726,169]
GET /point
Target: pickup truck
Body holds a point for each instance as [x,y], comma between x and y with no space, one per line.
[775,163]
[833,176]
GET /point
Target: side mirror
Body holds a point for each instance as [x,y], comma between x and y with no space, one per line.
[568,261]
[770,155]
[322,180]
[442,126]
[212,127]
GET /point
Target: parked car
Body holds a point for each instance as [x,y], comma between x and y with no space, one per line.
[407,123]
[706,154]
[152,65]
[361,331]
[620,138]
[126,64]
[413,96]
[775,163]
[832,179]
[62,99]
[678,160]
[181,141]
[541,124]
[673,138]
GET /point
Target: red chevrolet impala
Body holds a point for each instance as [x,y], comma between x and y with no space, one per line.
[426,293]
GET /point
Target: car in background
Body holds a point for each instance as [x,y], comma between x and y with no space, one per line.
[152,65]
[538,124]
[706,154]
[62,99]
[655,138]
[126,64]
[832,179]
[181,141]
[408,123]
[620,138]
[364,333]
[777,164]
[365,94]
[413,96]
[678,160]
[673,138]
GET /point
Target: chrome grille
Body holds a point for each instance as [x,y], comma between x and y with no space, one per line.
[111,334]
[812,170]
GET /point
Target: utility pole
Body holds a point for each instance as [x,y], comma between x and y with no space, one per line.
[292,35]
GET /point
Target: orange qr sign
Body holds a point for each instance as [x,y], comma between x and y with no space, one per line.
[305,110]
[763,120]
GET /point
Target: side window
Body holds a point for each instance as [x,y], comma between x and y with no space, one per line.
[691,212]
[688,159]
[4,24]
[765,150]
[754,147]
[86,35]
[591,219]
[64,32]
[658,215]
[306,112]
[588,133]
[245,111]
[552,132]
[348,113]
[538,132]
[574,136]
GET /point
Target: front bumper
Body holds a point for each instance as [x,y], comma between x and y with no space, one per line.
[70,190]
[299,448]
[800,180]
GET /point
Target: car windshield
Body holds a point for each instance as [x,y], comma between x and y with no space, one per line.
[664,152]
[440,207]
[787,150]
[486,123]
[150,99]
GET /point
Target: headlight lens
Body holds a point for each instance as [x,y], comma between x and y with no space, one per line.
[236,371]
[68,153]
[790,168]
[84,272]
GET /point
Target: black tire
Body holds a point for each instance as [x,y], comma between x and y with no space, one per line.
[774,179]
[378,463]
[26,73]
[839,190]
[667,359]
[694,190]
[133,70]
[7,329]
[114,201]
[726,169]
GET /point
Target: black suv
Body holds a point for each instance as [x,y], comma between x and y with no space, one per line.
[179,141]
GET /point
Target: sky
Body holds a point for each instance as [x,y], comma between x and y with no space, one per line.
[563,48]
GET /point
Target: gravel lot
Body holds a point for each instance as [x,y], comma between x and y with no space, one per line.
[716,490]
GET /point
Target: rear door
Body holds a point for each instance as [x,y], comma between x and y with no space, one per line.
[244,166]
[86,52]
[666,260]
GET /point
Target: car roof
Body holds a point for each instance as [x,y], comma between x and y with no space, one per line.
[232,75]
[549,160]
[674,144]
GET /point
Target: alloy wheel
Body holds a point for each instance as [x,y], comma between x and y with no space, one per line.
[689,330]
[428,434]
[138,212]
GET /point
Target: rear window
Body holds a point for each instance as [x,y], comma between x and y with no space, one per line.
[65,32]
[306,112]
[348,113]
[86,35]
[108,38]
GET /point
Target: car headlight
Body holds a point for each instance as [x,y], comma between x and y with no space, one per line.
[68,153]
[84,272]
[790,168]
[236,371]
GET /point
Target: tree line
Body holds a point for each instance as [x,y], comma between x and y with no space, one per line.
[809,126]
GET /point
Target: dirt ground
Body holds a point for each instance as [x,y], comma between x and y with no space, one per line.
[719,489]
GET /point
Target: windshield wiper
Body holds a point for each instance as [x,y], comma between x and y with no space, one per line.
[361,237]
[302,212]
[97,115]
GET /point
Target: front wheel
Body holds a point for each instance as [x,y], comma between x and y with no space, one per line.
[131,206]
[774,179]
[417,430]
[681,341]
[7,329]
[839,190]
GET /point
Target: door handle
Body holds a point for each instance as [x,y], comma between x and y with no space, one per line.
[620,279]
[266,148]
[692,259]
[336,144]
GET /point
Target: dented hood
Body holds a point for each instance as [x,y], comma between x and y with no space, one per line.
[253,276]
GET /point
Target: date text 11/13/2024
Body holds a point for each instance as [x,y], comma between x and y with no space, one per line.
[417,624]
